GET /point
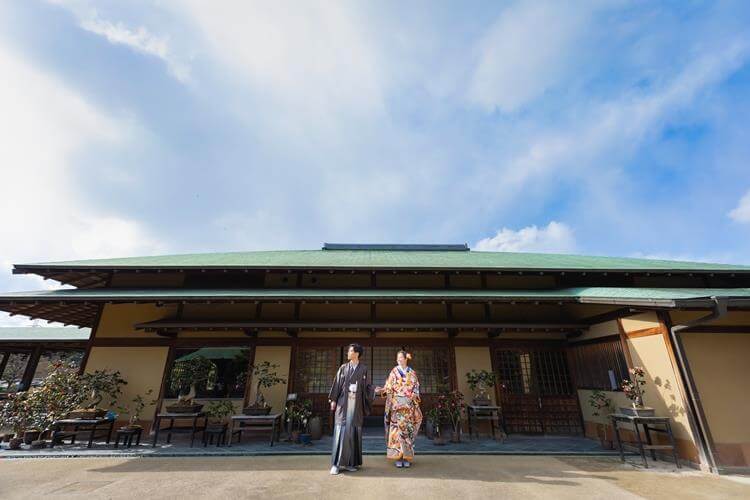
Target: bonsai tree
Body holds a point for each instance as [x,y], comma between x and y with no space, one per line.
[479,382]
[16,414]
[265,377]
[187,374]
[217,411]
[136,407]
[600,403]
[633,388]
[100,384]
[59,393]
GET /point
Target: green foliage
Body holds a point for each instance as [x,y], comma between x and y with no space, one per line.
[298,413]
[599,401]
[219,410]
[265,376]
[481,380]
[449,407]
[192,372]
[138,404]
[60,392]
[101,383]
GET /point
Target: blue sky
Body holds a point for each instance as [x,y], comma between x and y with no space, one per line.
[595,127]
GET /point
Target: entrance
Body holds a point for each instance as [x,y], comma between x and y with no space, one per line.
[535,391]
[316,365]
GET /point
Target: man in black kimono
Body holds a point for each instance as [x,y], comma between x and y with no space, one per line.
[351,399]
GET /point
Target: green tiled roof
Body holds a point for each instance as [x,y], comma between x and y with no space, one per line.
[43,333]
[589,293]
[392,259]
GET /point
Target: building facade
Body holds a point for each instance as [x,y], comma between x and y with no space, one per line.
[553,328]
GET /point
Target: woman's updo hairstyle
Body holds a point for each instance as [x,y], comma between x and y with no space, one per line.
[405,354]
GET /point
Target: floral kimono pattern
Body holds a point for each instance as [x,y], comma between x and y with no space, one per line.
[402,413]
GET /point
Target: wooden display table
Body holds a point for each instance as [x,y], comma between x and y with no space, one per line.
[192,430]
[254,423]
[94,427]
[475,413]
[662,425]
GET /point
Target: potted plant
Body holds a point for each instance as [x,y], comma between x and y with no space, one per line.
[633,389]
[15,413]
[600,403]
[135,409]
[297,415]
[432,423]
[265,377]
[479,382]
[315,426]
[186,375]
[217,412]
[97,385]
[451,405]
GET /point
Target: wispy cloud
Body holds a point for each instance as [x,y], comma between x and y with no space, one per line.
[139,39]
[555,237]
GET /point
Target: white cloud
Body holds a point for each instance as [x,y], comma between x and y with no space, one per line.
[557,237]
[43,126]
[741,213]
[524,53]
[139,39]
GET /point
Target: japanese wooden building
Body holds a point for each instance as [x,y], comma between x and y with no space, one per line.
[552,327]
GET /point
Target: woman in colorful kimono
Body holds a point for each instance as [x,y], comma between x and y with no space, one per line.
[402,414]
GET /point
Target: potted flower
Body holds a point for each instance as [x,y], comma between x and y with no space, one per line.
[451,405]
[633,389]
[97,385]
[432,424]
[297,415]
[217,412]
[600,403]
[15,413]
[135,409]
[479,382]
[315,426]
[265,376]
[186,375]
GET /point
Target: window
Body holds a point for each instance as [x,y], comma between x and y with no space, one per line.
[47,358]
[12,369]
[228,378]
[599,365]
[315,369]
[432,367]
[538,372]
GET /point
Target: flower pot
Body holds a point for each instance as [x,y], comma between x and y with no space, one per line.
[30,436]
[429,430]
[438,440]
[7,437]
[481,400]
[316,428]
[216,426]
[256,410]
[295,436]
[456,435]
[305,439]
[87,413]
[638,411]
[38,444]
[184,408]
[15,443]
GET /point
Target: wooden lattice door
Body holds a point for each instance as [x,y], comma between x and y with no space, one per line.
[536,392]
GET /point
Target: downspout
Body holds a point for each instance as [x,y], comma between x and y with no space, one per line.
[719,310]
